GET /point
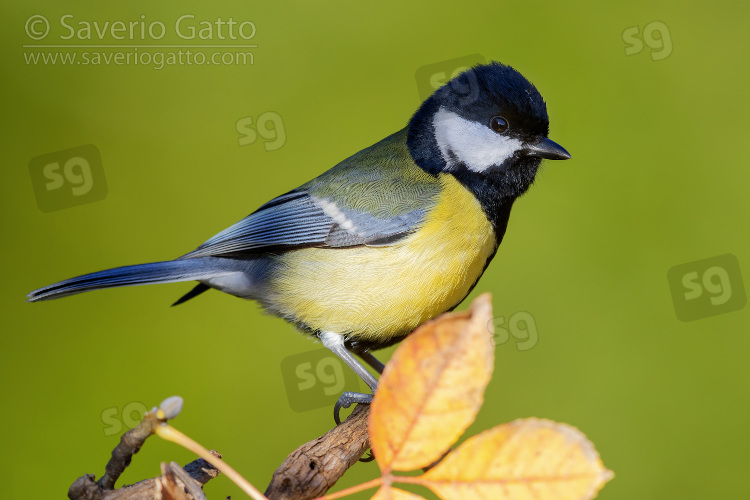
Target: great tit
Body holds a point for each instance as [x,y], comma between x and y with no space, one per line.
[389,238]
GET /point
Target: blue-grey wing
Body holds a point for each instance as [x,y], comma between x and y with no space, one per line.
[298,219]
[374,197]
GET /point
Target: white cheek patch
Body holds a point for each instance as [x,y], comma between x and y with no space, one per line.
[474,144]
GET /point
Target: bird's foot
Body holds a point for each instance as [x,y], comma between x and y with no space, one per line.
[347,399]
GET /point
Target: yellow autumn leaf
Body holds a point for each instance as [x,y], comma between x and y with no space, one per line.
[388,492]
[527,459]
[432,388]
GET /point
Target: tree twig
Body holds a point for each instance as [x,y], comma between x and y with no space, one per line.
[130,443]
[308,472]
[174,484]
[199,471]
[313,468]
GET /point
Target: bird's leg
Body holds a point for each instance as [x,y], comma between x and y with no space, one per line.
[335,343]
[372,361]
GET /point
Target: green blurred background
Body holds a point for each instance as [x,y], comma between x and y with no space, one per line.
[658,179]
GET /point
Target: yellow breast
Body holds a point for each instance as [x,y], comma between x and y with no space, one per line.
[374,293]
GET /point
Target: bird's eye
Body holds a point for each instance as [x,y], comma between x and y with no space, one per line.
[499,124]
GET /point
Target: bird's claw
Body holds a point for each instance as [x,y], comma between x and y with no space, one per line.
[346,400]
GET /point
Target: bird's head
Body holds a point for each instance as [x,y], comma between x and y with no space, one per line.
[487,122]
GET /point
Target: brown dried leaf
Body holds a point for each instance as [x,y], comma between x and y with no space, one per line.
[388,492]
[525,459]
[432,388]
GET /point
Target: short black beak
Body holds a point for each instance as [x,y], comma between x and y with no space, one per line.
[547,149]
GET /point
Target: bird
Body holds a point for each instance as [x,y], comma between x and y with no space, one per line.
[387,239]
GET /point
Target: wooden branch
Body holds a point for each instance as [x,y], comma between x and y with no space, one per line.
[174,484]
[313,468]
[308,472]
[130,443]
[171,485]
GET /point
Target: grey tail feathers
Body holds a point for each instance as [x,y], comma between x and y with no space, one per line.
[141,274]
